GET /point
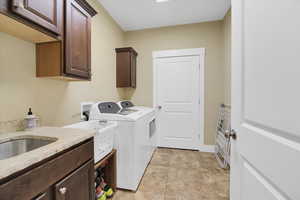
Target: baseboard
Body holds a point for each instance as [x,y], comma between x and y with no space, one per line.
[207,148]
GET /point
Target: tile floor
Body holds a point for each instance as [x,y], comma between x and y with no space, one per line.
[181,175]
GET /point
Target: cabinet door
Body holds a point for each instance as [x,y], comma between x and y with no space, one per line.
[77,186]
[46,13]
[123,69]
[133,71]
[78,40]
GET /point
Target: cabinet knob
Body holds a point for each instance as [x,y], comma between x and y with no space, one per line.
[63,190]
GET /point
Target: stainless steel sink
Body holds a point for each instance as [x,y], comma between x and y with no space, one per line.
[18,146]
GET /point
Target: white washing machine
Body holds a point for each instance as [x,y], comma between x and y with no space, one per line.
[128,105]
[133,140]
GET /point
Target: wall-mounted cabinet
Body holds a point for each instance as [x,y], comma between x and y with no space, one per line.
[61,30]
[70,58]
[48,14]
[31,20]
[126,67]
[78,40]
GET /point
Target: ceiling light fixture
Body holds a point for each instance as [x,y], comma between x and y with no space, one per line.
[161,1]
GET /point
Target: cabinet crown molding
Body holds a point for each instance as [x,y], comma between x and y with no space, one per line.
[127,49]
[87,7]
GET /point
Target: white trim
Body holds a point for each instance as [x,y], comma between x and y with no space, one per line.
[186,52]
[207,148]
[177,53]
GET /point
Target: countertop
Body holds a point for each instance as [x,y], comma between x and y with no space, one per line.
[66,138]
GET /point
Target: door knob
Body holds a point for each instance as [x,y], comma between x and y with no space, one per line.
[159,107]
[15,4]
[231,134]
[63,190]
[18,4]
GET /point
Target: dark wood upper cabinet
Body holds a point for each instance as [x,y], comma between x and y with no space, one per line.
[78,40]
[69,59]
[61,30]
[46,13]
[32,20]
[126,67]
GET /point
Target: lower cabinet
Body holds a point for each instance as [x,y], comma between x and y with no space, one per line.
[78,185]
[66,176]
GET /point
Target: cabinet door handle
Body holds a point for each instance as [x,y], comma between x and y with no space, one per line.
[63,190]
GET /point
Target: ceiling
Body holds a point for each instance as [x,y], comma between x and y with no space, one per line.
[142,14]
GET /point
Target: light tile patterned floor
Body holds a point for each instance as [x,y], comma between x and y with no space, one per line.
[181,175]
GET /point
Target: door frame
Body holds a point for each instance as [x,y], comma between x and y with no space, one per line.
[201,87]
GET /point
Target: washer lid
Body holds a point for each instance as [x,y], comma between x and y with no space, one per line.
[109,107]
[127,111]
[112,112]
[126,104]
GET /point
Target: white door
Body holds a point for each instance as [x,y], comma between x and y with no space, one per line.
[266,100]
[177,94]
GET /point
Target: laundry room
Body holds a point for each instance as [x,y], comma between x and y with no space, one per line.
[142,96]
[132,100]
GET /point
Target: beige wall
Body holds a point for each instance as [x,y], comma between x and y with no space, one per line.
[57,102]
[17,85]
[227,57]
[208,35]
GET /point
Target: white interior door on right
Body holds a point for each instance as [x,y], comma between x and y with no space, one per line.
[265,161]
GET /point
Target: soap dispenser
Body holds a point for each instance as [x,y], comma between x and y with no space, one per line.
[30,120]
